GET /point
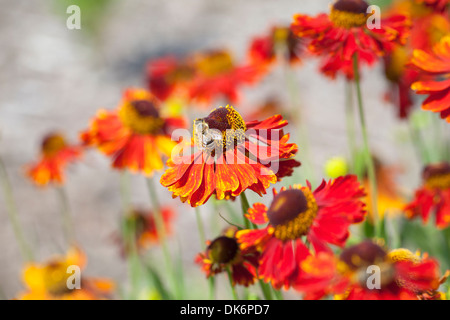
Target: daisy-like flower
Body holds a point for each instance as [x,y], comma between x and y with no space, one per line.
[434,78]
[144,226]
[217,76]
[50,280]
[438,5]
[224,253]
[344,33]
[168,76]
[263,50]
[56,154]
[296,215]
[433,196]
[137,136]
[228,156]
[402,275]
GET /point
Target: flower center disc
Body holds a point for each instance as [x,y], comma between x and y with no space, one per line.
[222,129]
[223,250]
[55,277]
[52,144]
[292,213]
[142,116]
[437,176]
[349,13]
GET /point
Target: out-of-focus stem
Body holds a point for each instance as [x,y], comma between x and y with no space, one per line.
[369,160]
[350,122]
[66,214]
[12,213]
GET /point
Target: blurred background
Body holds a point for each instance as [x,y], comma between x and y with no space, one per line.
[54,78]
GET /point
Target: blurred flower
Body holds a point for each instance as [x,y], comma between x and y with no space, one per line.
[137,135]
[48,281]
[224,252]
[218,76]
[438,5]
[435,77]
[433,196]
[390,200]
[231,156]
[264,49]
[344,33]
[56,153]
[144,226]
[336,167]
[323,216]
[401,276]
[167,76]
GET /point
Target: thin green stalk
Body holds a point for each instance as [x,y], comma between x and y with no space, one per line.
[369,160]
[266,290]
[233,290]
[245,206]
[162,234]
[13,214]
[418,144]
[66,214]
[350,123]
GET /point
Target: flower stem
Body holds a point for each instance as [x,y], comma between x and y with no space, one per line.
[265,290]
[162,234]
[66,214]
[12,213]
[245,206]
[368,157]
[233,290]
[350,122]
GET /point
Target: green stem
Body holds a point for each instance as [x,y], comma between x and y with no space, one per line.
[350,122]
[162,234]
[418,144]
[369,160]
[233,290]
[245,206]
[13,214]
[66,214]
[265,288]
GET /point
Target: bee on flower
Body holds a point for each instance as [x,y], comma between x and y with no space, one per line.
[227,156]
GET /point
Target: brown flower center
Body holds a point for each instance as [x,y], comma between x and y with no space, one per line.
[349,13]
[52,144]
[292,213]
[437,176]
[223,250]
[222,129]
[55,278]
[141,116]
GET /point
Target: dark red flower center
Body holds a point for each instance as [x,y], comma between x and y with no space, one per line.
[223,250]
[291,213]
[141,116]
[437,176]
[52,144]
[145,108]
[349,13]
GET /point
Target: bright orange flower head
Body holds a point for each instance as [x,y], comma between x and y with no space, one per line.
[219,77]
[437,5]
[344,33]
[223,253]
[55,155]
[228,156]
[49,281]
[434,79]
[144,226]
[321,217]
[402,275]
[433,196]
[137,135]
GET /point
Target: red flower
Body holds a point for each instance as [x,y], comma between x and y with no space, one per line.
[231,156]
[435,77]
[323,216]
[403,276]
[438,5]
[344,33]
[136,135]
[168,75]
[223,253]
[263,50]
[433,196]
[218,77]
[55,155]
